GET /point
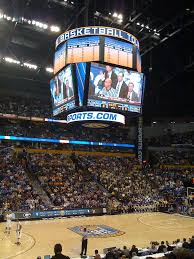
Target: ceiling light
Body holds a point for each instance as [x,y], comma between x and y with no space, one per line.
[120,16]
[11,60]
[32,66]
[45,26]
[49,69]
[54,28]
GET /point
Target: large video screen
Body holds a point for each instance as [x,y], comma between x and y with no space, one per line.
[62,91]
[83,49]
[60,58]
[118,52]
[115,88]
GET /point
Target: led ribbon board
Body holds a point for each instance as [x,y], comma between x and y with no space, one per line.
[66,141]
[96,116]
[97,30]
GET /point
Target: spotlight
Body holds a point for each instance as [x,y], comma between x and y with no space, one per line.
[147,27]
[29,21]
[115,15]
[154,30]
[33,22]
[138,23]
[142,25]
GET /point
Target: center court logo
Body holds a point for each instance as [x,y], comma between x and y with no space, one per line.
[98,231]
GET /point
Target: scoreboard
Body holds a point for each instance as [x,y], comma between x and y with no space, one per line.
[118,52]
[83,49]
[60,58]
[98,59]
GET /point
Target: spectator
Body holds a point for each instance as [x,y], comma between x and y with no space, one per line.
[126,251]
[185,244]
[179,244]
[134,249]
[97,256]
[162,248]
[58,253]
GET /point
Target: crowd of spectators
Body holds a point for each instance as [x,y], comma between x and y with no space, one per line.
[57,130]
[67,185]
[124,180]
[25,106]
[179,249]
[170,138]
[16,191]
[175,157]
[172,183]
[117,183]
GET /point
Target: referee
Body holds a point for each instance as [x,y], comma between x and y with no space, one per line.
[84,243]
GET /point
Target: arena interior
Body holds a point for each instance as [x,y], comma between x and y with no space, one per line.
[96,129]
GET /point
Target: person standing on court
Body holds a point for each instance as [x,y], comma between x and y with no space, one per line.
[84,242]
[18,232]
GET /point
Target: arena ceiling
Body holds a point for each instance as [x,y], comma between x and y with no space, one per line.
[164,29]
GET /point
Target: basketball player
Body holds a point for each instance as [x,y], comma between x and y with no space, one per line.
[8,222]
[18,232]
[84,243]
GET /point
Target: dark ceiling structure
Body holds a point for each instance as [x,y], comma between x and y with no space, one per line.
[164,29]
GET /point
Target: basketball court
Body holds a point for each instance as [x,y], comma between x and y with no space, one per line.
[39,237]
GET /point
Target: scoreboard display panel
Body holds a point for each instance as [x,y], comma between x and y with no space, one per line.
[83,49]
[115,88]
[138,65]
[118,52]
[62,91]
[60,58]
